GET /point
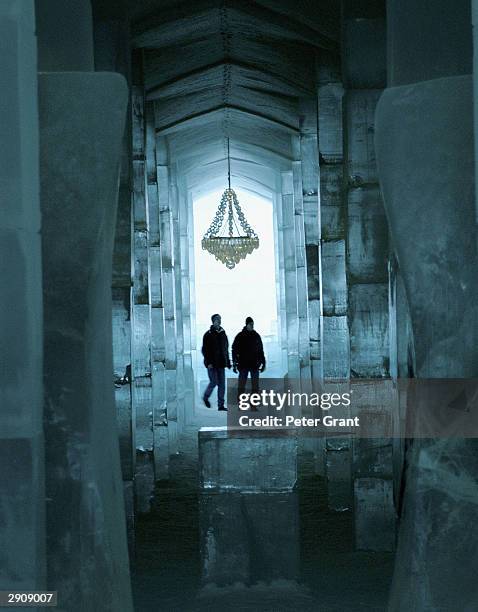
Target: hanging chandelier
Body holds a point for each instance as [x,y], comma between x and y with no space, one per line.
[223,239]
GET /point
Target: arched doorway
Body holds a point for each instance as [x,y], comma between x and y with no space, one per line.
[250,289]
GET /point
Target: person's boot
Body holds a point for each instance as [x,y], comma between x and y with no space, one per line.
[207,403]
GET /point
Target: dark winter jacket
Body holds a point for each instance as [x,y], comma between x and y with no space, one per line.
[215,348]
[247,350]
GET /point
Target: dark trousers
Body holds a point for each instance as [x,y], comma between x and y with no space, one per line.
[243,374]
[217,378]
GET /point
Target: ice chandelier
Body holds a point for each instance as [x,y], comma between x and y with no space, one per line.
[223,239]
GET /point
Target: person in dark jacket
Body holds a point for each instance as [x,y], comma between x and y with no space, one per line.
[215,349]
[248,356]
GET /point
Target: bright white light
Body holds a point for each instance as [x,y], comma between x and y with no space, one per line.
[247,290]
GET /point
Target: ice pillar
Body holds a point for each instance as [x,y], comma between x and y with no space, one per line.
[82,121]
[22,513]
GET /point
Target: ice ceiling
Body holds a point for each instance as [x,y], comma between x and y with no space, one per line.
[237,69]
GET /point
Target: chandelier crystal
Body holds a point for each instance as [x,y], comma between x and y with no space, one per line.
[223,238]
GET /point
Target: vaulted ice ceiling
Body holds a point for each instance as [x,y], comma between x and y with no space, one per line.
[219,69]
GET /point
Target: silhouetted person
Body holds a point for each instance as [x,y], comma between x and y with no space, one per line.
[215,348]
[248,356]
